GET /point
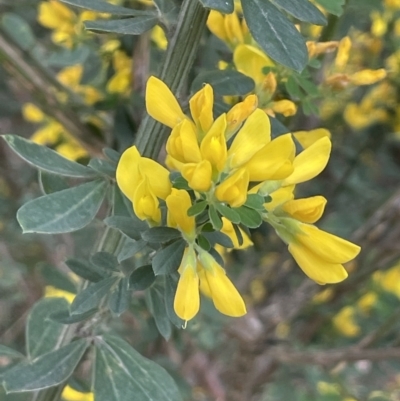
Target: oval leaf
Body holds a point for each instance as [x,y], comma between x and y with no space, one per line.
[42,334]
[168,259]
[224,6]
[19,30]
[141,278]
[121,297]
[128,26]
[303,10]
[161,234]
[91,296]
[46,371]
[46,159]
[104,7]
[276,35]
[122,374]
[63,211]
[156,304]
[224,82]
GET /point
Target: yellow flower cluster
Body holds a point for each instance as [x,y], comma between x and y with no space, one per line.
[227,161]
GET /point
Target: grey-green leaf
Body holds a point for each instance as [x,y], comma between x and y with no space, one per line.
[45,371]
[142,278]
[104,7]
[10,353]
[50,183]
[46,159]
[303,10]
[128,26]
[90,297]
[19,30]
[276,35]
[161,234]
[130,248]
[224,6]
[120,298]
[224,82]
[249,217]
[86,270]
[105,261]
[156,304]
[333,6]
[65,318]
[56,278]
[122,374]
[130,226]
[43,334]
[63,211]
[168,259]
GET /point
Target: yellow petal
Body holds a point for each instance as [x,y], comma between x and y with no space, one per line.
[307,210]
[273,161]
[227,229]
[69,394]
[327,246]
[201,108]
[367,77]
[234,189]
[215,24]
[255,133]
[316,268]
[187,297]
[145,203]
[310,162]
[161,103]
[53,292]
[238,113]
[233,29]
[307,138]
[279,197]
[251,61]
[178,204]
[213,146]
[285,107]
[182,143]
[32,113]
[52,14]
[157,175]
[225,296]
[198,175]
[127,174]
[343,53]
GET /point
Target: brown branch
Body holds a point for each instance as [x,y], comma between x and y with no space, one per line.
[29,74]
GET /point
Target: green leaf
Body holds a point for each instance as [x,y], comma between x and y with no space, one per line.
[303,10]
[214,218]
[141,278]
[103,167]
[224,6]
[224,82]
[170,285]
[47,159]
[255,201]
[167,7]
[64,317]
[46,371]
[276,35]
[104,7]
[203,242]
[105,261]
[10,353]
[112,155]
[19,30]
[217,237]
[333,6]
[228,212]
[43,334]
[157,307]
[120,298]
[292,87]
[178,181]
[63,211]
[56,278]
[130,248]
[238,234]
[161,234]
[168,259]
[90,297]
[249,217]
[67,57]
[86,270]
[122,374]
[128,26]
[197,208]
[308,86]
[50,183]
[130,226]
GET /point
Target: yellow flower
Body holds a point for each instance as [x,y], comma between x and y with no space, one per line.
[306,210]
[233,190]
[367,77]
[69,394]
[227,229]
[201,108]
[178,203]
[345,323]
[121,81]
[307,138]
[239,113]
[143,181]
[367,301]
[159,38]
[53,292]
[198,175]
[343,53]
[285,107]
[32,113]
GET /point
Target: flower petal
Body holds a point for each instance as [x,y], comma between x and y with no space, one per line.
[310,162]
[307,210]
[128,175]
[201,108]
[161,103]
[316,268]
[178,204]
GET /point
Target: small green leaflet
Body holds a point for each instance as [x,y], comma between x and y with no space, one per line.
[63,211]
[122,374]
[104,7]
[276,35]
[156,304]
[45,371]
[46,159]
[168,259]
[224,6]
[303,10]
[128,26]
[161,234]
[333,6]
[19,30]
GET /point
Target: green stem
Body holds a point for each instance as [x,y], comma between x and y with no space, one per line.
[178,61]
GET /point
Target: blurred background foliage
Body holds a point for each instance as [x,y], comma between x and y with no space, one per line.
[76,91]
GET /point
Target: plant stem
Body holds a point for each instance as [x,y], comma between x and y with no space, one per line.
[179,59]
